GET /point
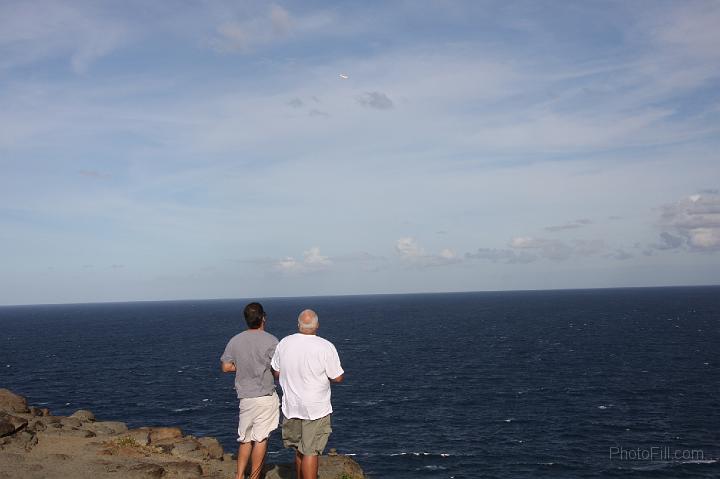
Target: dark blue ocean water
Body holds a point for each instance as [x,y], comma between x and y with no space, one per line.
[497,385]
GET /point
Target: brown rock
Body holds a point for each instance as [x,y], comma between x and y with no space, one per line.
[35,411]
[59,457]
[339,466]
[145,470]
[106,428]
[45,411]
[83,415]
[162,433]
[11,402]
[184,446]
[166,445]
[26,440]
[6,428]
[10,424]
[36,425]
[184,470]
[139,436]
[213,447]
[54,433]
[70,422]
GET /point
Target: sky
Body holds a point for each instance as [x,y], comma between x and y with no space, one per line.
[198,149]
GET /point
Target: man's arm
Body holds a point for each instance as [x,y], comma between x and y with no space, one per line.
[276,374]
[338,379]
[227,367]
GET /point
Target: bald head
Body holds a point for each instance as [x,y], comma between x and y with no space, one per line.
[308,322]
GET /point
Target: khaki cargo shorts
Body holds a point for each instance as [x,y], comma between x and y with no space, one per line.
[308,436]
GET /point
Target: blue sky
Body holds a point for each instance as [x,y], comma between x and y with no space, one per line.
[197,149]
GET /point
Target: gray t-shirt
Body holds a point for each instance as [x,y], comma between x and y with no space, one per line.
[251,352]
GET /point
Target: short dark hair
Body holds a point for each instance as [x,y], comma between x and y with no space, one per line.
[254,315]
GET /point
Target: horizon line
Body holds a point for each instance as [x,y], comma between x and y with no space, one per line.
[258,298]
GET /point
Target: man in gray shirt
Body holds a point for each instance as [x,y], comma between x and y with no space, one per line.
[248,355]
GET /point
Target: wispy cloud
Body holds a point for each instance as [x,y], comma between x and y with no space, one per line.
[375,99]
[507,256]
[528,249]
[80,31]
[411,253]
[571,225]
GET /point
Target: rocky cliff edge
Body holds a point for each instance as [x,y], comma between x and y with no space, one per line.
[34,444]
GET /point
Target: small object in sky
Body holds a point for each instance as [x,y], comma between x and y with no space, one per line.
[343,76]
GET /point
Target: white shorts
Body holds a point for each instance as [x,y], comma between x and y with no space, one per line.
[258,417]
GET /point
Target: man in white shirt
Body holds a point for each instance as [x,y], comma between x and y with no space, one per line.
[306,365]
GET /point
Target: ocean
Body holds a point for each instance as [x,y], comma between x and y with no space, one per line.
[577,383]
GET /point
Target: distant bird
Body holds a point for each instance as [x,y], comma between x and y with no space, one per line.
[343,76]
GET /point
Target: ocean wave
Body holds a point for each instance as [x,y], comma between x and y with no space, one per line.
[419,454]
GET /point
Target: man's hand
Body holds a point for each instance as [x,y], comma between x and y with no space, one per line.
[228,367]
[338,379]
[276,374]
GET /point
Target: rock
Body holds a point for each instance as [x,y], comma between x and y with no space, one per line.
[6,428]
[26,440]
[35,411]
[145,470]
[45,411]
[199,454]
[279,471]
[10,424]
[106,428]
[59,457]
[184,446]
[36,425]
[213,447]
[166,446]
[184,470]
[339,466]
[55,433]
[70,422]
[11,402]
[51,419]
[83,415]
[39,446]
[162,433]
[139,436]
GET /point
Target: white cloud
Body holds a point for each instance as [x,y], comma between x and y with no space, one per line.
[705,238]
[696,219]
[312,261]
[411,253]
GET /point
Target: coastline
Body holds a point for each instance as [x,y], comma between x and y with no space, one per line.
[34,444]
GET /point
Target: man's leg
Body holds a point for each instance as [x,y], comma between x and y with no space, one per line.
[257,458]
[309,466]
[243,456]
[298,464]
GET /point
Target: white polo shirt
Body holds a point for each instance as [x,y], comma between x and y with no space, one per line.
[306,362]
